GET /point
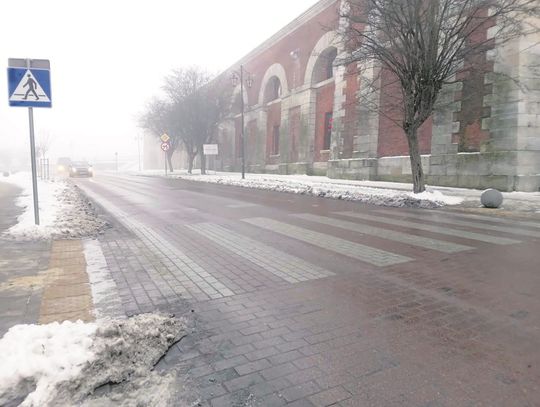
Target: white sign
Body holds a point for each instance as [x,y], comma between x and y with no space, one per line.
[210,149]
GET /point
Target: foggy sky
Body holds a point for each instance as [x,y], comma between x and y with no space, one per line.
[108,58]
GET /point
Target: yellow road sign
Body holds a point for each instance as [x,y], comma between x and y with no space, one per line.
[165,138]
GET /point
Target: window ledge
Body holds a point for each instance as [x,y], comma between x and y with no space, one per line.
[273,102]
[324,83]
[324,151]
[274,155]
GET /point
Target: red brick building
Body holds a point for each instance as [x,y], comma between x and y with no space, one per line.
[303,115]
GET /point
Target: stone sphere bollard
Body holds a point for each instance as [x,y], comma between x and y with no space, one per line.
[491,198]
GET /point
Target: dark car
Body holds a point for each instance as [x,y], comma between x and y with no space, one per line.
[81,169]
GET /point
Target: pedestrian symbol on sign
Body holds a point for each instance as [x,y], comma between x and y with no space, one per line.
[31,83]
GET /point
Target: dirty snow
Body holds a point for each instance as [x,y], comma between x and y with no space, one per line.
[39,356]
[330,188]
[105,294]
[64,364]
[63,210]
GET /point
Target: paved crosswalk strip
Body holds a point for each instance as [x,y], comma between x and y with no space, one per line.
[506,221]
[358,251]
[195,281]
[290,268]
[420,241]
[242,205]
[443,230]
[468,223]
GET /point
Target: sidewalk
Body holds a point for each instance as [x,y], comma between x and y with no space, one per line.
[62,324]
[40,281]
[20,266]
[375,192]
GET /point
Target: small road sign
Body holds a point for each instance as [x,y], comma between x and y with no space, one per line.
[210,149]
[29,83]
[165,146]
[165,137]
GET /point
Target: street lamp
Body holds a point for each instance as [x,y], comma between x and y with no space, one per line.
[139,137]
[235,78]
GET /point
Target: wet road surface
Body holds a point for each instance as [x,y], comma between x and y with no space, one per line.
[307,301]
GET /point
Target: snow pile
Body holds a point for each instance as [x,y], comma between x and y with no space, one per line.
[64,211]
[336,189]
[63,364]
[36,357]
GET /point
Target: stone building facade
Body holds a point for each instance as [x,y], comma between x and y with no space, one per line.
[303,115]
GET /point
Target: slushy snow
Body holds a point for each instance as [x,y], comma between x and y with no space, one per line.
[63,210]
[63,364]
[329,188]
[39,357]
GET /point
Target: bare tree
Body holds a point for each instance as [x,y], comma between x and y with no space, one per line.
[158,119]
[43,144]
[201,112]
[423,44]
[196,110]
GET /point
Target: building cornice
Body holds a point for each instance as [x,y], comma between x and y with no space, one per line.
[288,29]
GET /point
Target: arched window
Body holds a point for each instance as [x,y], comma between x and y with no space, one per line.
[324,67]
[273,89]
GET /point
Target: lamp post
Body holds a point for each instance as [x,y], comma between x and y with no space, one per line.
[139,150]
[249,82]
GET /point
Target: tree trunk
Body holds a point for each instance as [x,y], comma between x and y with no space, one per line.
[203,163]
[169,160]
[419,183]
[191,158]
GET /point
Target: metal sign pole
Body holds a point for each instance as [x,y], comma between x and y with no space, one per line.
[33,158]
[34,74]
[165,160]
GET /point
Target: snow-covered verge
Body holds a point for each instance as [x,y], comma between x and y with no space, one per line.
[105,296]
[64,364]
[329,188]
[64,211]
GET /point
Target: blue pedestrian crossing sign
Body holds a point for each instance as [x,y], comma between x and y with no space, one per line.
[29,87]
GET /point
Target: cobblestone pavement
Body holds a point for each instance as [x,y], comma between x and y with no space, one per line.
[302,301]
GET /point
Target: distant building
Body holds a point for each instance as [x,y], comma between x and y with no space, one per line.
[302,115]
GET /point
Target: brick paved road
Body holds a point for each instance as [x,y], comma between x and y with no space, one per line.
[302,301]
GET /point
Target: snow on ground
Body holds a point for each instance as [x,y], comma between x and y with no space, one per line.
[107,302]
[374,192]
[63,364]
[63,210]
[384,194]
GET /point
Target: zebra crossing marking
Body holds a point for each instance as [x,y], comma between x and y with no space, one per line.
[283,265]
[432,228]
[358,251]
[420,241]
[195,280]
[479,225]
[532,223]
